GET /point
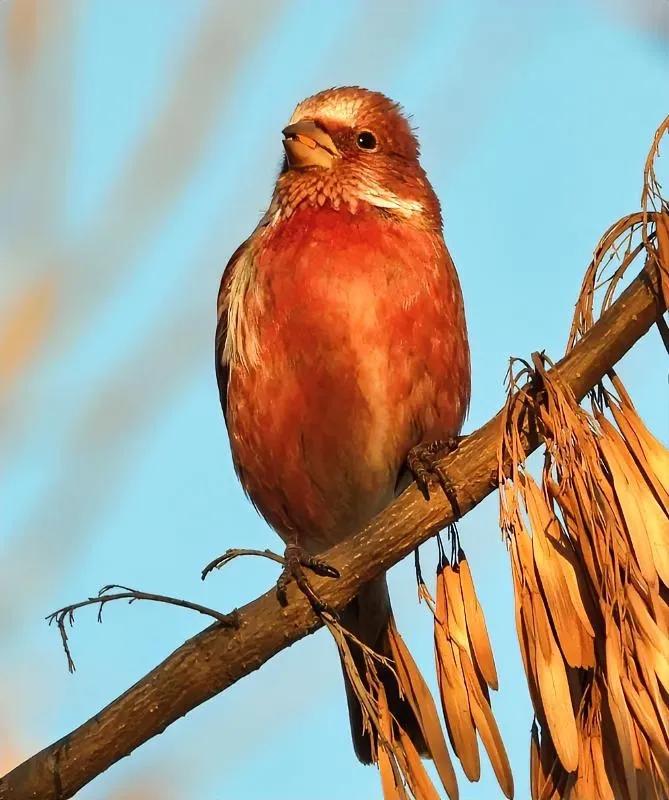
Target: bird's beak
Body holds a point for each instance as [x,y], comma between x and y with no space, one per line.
[307,144]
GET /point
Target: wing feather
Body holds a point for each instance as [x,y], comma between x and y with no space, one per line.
[221,354]
[238,260]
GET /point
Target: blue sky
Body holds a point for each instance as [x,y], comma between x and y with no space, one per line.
[145,144]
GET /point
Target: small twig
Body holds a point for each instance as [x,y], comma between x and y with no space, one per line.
[454,537]
[67,612]
[441,553]
[343,639]
[419,573]
[663,328]
[234,552]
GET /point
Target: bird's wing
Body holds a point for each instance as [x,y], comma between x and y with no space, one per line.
[220,359]
[243,252]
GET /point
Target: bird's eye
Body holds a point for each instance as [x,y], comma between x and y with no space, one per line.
[366,140]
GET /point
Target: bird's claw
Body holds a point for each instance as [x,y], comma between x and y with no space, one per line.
[422,462]
[296,561]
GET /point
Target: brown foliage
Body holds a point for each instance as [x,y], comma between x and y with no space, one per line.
[590,559]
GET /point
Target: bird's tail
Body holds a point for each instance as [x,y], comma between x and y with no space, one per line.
[369,617]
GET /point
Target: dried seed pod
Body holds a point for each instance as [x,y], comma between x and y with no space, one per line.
[488,730]
[651,456]
[455,705]
[476,627]
[647,525]
[537,779]
[400,767]
[419,781]
[590,565]
[545,532]
[415,689]
[393,789]
[463,689]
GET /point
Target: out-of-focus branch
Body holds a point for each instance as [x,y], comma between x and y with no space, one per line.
[218,657]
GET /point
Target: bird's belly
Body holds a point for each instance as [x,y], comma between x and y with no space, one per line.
[358,360]
[314,435]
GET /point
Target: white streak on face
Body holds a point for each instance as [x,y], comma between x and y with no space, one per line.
[379,196]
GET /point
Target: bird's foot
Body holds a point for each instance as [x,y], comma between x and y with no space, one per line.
[296,561]
[422,462]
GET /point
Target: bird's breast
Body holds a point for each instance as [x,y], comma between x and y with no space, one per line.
[358,327]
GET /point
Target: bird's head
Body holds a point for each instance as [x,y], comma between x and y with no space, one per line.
[349,146]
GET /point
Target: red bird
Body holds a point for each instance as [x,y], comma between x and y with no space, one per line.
[341,342]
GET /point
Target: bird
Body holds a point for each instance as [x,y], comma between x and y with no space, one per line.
[341,347]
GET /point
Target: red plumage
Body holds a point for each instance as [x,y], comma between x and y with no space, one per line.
[341,341]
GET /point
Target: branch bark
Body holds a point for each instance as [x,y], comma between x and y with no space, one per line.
[218,657]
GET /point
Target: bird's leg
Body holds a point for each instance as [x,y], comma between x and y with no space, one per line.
[296,561]
[423,459]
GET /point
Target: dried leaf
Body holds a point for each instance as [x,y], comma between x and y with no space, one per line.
[476,627]
[656,455]
[389,784]
[524,624]
[537,779]
[454,607]
[419,781]
[652,458]
[655,638]
[455,705]
[612,754]
[653,518]
[554,775]
[645,715]
[488,730]
[576,585]
[415,689]
[633,518]
[558,598]
[590,562]
[603,788]
[645,673]
[615,701]
[555,695]
[584,785]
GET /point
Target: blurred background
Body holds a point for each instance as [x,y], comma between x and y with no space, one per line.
[139,141]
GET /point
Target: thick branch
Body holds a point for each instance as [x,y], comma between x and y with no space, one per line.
[216,658]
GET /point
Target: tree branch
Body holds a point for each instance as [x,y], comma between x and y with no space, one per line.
[64,615]
[218,657]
